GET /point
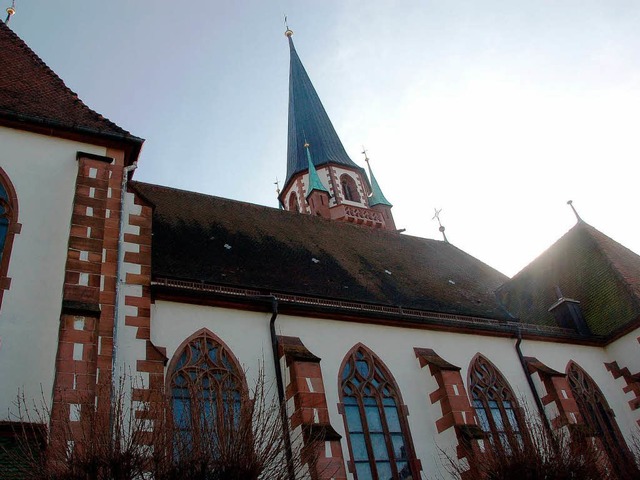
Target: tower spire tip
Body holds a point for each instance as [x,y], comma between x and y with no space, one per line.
[575,212]
[10,12]
[288,32]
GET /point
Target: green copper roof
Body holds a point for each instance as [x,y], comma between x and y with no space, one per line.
[308,121]
[314,180]
[377,197]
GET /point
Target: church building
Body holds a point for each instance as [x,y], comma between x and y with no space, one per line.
[389,349]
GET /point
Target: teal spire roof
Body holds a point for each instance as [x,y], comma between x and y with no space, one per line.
[377,197]
[308,121]
[314,180]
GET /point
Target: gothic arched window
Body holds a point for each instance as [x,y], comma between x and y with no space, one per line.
[9,226]
[377,430]
[600,419]
[494,403]
[207,390]
[349,188]
[294,206]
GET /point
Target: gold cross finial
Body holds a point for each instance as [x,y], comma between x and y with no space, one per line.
[10,12]
[288,32]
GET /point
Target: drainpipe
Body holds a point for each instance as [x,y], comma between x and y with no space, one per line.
[281,392]
[532,386]
[119,281]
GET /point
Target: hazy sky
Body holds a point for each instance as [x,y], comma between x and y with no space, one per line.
[498,112]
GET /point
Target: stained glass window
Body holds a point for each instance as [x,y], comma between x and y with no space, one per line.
[5,217]
[599,417]
[207,389]
[494,403]
[376,425]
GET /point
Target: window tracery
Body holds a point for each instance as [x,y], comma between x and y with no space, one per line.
[494,403]
[377,430]
[207,390]
[9,227]
[600,419]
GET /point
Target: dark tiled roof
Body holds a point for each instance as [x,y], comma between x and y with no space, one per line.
[588,266]
[309,121]
[203,238]
[30,91]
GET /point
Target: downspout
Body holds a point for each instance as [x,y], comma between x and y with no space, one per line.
[532,386]
[281,391]
[119,268]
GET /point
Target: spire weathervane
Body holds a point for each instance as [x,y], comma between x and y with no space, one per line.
[288,32]
[366,157]
[436,216]
[277,184]
[10,11]
[575,212]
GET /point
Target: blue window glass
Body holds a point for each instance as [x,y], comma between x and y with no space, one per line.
[494,404]
[206,389]
[5,215]
[376,426]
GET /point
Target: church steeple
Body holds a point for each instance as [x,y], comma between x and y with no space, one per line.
[327,183]
[309,122]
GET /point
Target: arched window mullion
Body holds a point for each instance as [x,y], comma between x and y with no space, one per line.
[490,389]
[600,418]
[367,384]
[367,434]
[200,373]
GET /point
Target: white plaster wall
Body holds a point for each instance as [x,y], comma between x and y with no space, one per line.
[592,360]
[43,171]
[626,351]
[129,349]
[247,335]
[358,181]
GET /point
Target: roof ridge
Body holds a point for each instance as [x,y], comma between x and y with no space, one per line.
[267,207]
[22,45]
[611,262]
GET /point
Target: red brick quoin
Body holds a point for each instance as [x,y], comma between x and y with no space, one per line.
[310,413]
[457,411]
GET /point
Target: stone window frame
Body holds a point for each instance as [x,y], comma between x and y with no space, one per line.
[599,417]
[202,337]
[495,388]
[13,228]
[349,188]
[413,464]
[294,204]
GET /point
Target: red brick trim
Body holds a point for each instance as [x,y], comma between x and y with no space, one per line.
[451,392]
[305,391]
[557,393]
[14,229]
[632,381]
[85,341]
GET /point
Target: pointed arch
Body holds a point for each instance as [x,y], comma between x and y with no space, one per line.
[294,205]
[349,188]
[9,227]
[494,403]
[207,387]
[375,420]
[599,418]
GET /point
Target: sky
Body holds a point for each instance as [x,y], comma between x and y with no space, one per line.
[496,112]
